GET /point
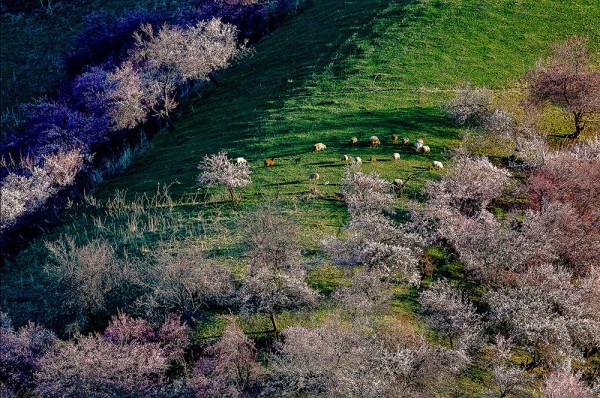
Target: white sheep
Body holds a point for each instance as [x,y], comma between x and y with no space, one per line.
[240,160]
[374,140]
[396,156]
[420,140]
[319,147]
[436,164]
[418,147]
[313,176]
[345,158]
[357,160]
[425,149]
[405,141]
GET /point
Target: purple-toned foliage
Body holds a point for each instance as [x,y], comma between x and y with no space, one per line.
[20,354]
[108,40]
[253,18]
[90,89]
[52,126]
[27,186]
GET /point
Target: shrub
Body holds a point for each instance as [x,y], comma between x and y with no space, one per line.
[20,354]
[127,361]
[447,311]
[218,169]
[232,369]
[471,106]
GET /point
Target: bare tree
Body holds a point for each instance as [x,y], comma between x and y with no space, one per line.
[232,369]
[84,275]
[553,316]
[508,380]
[182,280]
[218,169]
[275,279]
[449,312]
[471,105]
[175,56]
[568,79]
[339,359]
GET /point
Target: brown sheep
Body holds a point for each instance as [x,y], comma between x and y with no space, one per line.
[394,138]
[374,141]
[269,162]
[372,159]
[405,141]
[345,158]
[313,176]
[353,141]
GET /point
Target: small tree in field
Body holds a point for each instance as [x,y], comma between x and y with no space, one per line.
[232,370]
[275,279]
[218,169]
[568,79]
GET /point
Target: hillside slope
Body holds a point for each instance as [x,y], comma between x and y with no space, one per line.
[350,68]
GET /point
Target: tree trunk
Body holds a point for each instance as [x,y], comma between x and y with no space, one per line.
[579,124]
[233,198]
[274,322]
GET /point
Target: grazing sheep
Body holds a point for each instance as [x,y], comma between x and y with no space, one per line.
[436,164]
[420,140]
[357,160]
[353,141]
[418,147]
[398,185]
[240,160]
[394,138]
[405,141]
[319,147]
[345,158]
[269,162]
[340,196]
[372,159]
[313,176]
[396,156]
[374,140]
[425,149]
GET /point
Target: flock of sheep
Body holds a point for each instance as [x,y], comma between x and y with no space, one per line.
[374,141]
